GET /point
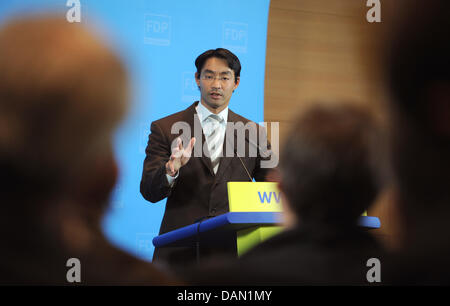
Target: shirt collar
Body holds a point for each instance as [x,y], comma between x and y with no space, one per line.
[204,113]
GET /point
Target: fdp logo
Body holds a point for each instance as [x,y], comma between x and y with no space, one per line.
[189,87]
[235,36]
[157,29]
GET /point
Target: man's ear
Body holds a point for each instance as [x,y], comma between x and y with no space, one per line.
[236,84]
[273,175]
[197,79]
[280,186]
[289,218]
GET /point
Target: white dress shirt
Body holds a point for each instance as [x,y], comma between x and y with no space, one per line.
[203,114]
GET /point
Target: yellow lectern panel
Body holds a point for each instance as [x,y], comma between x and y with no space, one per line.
[254,197]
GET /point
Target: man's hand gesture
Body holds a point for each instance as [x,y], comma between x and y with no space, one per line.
[180,156]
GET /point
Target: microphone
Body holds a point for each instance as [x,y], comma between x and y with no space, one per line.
[243,165]
[246,170]
[264,152]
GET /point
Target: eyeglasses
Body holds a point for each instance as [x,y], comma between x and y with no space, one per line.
[211,78]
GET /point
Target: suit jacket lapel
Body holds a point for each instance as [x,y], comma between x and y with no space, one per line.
[196,130]
[225,161]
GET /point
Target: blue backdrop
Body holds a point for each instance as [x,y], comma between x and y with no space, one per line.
[159,41]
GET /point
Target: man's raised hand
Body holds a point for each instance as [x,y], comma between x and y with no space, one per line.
[180,156]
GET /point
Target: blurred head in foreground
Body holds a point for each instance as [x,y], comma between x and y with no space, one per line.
[327,165]
[418,77]
[62,94]
[418,74]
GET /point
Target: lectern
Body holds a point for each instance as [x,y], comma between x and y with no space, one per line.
[255,215]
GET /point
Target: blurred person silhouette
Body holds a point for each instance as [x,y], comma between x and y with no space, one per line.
[418,78]
[328,178]
[62,94]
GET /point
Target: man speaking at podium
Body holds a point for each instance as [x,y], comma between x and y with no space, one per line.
[192,170]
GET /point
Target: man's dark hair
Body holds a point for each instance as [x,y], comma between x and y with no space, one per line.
[327,168]
[231,59]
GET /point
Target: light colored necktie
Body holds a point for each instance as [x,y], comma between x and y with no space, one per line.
[214,140]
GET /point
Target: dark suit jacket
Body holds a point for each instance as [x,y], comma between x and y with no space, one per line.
[197,192]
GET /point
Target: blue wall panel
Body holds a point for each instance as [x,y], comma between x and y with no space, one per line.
[159,41]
